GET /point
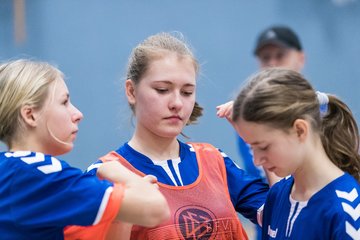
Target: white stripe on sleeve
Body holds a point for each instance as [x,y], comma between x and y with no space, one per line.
[103,205]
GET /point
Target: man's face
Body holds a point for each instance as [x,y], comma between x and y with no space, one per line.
[277,56]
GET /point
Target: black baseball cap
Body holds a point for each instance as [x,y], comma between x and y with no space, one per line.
[278,35]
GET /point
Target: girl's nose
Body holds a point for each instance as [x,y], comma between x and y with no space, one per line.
[259,159]
[176,101]
[77,115]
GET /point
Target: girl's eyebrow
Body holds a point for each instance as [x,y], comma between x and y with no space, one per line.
[170,82]
[65,96]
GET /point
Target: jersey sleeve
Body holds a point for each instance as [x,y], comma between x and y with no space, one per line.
[346,220]
[248,193]
[46,191]
[345,227]
[100,229]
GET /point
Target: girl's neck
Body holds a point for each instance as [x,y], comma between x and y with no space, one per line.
[155,147]
[317,172]
[27,143]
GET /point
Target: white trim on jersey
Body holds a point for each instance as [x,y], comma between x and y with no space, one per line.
[55,165]
[17,154]
[93,166]
[222,153]
[165,166]
[104,203]
[351,231]
[259,215]
[295,210]
[191,148]
[175,163]
[350,196]
[353,212]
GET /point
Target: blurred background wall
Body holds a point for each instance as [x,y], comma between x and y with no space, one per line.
[90,41]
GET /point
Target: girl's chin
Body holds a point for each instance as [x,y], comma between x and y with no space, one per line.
[65,147]
[171,133]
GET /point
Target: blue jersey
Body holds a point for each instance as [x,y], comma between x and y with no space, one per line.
[40,195]
[247,193]
[331,213]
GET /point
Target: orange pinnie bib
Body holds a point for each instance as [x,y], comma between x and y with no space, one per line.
[201,210]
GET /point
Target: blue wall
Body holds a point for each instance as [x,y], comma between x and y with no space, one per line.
[90,41]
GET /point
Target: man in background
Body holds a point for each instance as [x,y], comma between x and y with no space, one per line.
[279,46]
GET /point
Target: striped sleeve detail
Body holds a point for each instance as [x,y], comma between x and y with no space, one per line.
[103,204]
[112,204]
[259,216]
[105,217]
[93,166]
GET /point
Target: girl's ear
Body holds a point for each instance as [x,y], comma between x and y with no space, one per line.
[301,128]
[28,115]
[130,91]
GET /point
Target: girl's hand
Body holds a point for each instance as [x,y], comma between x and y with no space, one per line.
[151,179]
[225,111]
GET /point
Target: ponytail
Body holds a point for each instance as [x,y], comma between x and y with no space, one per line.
[340,137]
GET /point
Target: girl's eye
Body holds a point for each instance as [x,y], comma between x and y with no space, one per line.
[187,93]
[161,90]
[264,148]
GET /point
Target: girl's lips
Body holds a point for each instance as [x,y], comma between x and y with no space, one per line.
[172,117]
[74,133]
